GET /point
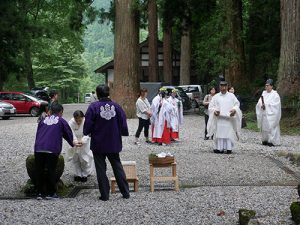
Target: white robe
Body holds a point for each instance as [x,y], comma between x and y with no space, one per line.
[268,119]
[81,157]
[226,129]
[160,116]
[176,115]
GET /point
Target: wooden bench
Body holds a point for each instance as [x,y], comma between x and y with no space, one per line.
[131,176]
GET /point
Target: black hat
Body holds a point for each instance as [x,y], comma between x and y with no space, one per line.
[223,82]
[270,82]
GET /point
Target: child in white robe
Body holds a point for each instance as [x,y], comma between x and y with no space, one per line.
[80,155]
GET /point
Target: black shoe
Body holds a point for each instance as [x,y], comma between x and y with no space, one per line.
[103,199]
[217,151]
[126,196]
[83,179]
[206,138]
[264,143]
[228,151]
[222,152]
[270,145]
[77,178]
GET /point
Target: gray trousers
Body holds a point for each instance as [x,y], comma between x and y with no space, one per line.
[118,170]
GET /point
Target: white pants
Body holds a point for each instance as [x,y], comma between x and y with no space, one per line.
[82,167]
[223,144]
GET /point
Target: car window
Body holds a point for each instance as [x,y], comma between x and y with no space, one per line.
[18,97]
[193,89]
[5,96]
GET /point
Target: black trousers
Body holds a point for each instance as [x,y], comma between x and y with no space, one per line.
[118,170]
[45,165]
[206,117]
[143,124]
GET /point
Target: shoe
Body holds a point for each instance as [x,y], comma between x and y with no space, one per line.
[222,152]
[217,151]
[77,178]
[83,179]
[206,138]
[39,197]
[52,197]
[164,144]
[270,145]
[126,196]
[103,199]
[149,142]
[137,143]
[264,143]
[228,151]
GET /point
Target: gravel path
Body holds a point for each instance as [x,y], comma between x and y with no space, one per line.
[249,178]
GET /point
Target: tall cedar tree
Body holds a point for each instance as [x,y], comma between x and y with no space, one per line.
[126,56]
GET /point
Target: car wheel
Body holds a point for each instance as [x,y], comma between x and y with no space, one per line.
[5,117]
[34,111]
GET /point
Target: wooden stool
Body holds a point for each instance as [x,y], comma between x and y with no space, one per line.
[174,176]
[131,177]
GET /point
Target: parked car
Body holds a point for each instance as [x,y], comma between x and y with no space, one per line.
[195,94]
[87,97]
[181,95]
[7,110]
[24,103]
[40,93]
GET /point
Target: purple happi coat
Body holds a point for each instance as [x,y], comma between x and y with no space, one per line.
[50,132]
[106,122]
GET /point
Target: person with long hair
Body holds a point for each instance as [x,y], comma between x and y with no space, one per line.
[143,113]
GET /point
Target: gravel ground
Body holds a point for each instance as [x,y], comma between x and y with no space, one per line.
[248,178]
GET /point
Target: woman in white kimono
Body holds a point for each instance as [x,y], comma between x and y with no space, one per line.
[80,155]
[161,110]
[268,113]
[176,116]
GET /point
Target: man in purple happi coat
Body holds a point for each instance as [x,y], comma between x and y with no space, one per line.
[48,145]
[105,122]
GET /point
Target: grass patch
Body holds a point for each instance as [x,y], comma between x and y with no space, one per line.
[293,157]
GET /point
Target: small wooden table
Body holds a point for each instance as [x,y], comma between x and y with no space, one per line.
[174,176]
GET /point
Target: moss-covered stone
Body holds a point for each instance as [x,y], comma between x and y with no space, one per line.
[245,215]
[295,211]
[30,166]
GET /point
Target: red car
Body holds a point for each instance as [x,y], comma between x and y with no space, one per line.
[24,103]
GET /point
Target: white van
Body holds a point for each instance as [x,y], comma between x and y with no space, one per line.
[87,97]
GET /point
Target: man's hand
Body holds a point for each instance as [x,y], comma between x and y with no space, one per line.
[263,107]
[217,113]
[232,112]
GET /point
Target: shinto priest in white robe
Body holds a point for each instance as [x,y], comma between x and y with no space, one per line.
[81,157]
[226,129]
[268,119]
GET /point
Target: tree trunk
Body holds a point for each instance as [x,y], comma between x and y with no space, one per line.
[126,57]
[235,72]
[185,56]
[167,54]
[28,63]
[152,42]
[289,64]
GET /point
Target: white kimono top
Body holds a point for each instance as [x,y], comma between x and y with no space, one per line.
[224,126]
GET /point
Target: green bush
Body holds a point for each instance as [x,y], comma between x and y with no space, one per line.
[295,211]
